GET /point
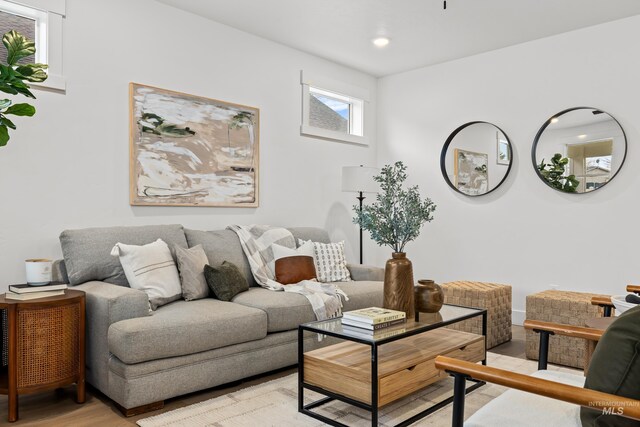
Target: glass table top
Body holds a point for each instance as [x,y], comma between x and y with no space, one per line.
[428,321]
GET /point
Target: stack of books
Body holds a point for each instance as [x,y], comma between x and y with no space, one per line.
[27,292]
[373,321]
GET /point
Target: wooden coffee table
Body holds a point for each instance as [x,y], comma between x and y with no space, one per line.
[373,372]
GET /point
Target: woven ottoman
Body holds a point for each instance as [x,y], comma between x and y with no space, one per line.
[567,308]
[494,297]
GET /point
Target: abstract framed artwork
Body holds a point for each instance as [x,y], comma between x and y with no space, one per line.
[470,172]
[504,153]
[187,150]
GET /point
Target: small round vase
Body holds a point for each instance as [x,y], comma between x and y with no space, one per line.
[428,296]
[398,284]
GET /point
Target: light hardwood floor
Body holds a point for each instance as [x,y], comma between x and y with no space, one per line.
[59,409]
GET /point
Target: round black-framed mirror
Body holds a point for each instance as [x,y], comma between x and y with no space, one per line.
[476,158]
[579,150]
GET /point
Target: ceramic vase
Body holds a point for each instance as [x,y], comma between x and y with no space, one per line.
[398,284]
[428,296]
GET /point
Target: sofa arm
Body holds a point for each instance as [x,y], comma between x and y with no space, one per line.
[105,305]
[361,272]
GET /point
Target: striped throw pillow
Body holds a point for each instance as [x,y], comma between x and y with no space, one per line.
[151,269]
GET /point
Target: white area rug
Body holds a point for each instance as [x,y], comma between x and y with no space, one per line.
[275,403]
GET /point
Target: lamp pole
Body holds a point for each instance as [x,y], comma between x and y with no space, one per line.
[359,180]
[361,199]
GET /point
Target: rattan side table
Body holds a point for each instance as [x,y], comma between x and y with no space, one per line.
[43,340]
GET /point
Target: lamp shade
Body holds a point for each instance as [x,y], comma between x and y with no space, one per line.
[359,178]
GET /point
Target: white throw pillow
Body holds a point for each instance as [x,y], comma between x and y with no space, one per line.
[280,251]
[151,269]
[331,264]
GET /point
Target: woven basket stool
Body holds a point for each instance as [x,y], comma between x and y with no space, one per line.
[567,308]
[495,298]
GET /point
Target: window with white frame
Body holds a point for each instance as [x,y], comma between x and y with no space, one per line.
[333,110]
[40,21]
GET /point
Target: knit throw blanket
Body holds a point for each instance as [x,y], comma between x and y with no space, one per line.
[256,241]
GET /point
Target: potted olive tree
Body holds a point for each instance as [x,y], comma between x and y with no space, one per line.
[394,220]
[13,78]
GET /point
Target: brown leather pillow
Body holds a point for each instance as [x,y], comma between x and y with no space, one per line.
[294,269]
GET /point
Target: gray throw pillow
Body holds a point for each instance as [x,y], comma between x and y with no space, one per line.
[191,264]
[225,281]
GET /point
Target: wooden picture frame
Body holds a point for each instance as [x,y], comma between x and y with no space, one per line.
[470,172]
[188,150]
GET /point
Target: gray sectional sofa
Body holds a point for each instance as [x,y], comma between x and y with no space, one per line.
[140,359]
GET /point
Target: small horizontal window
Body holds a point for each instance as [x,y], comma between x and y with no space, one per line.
[40,21]
[332,115]
[330,111]
[29,22]
[25,26]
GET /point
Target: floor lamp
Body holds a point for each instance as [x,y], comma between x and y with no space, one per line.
[359,179]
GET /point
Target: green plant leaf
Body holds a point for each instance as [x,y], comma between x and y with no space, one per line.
[8,89]
[18,46]
[24,90]
[11,82]
[33,72]
[5,121]
[397,215]
[4,135]
[21,110]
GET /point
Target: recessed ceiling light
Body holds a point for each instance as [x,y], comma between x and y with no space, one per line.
[555,120]
[583,136]
[381,41]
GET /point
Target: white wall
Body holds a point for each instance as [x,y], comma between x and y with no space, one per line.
[524,233]
[68,166]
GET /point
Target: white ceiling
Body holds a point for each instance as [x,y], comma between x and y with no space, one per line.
[421,32]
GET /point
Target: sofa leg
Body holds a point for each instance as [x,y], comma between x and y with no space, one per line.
[130,412]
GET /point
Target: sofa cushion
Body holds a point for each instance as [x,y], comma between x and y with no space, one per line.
[280,251]
[86,251]
[151,269]
[191,262]
[224,245]
[294,269]
[331,263]
[225,281]
[310,233]
[286,310]
[515,408]
[183,327]
[220,246]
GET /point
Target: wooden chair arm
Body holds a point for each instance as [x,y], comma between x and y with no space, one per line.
[566,330]
[602,301]
[633,288]
[630,408]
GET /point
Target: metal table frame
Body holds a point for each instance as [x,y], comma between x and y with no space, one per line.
[373,407]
